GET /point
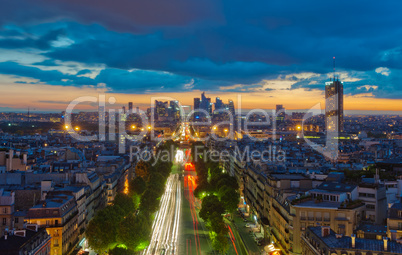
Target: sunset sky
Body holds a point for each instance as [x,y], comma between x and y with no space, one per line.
[264,52]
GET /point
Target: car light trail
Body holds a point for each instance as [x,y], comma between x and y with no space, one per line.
[165,227]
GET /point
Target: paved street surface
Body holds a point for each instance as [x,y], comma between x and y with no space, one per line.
[194,237]
[165,227]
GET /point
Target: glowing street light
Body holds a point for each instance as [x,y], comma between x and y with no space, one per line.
[66,127]
[149,127]
[214,128]
[133,127]
[77,128]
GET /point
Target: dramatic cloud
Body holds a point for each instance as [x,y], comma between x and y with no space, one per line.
[133,46]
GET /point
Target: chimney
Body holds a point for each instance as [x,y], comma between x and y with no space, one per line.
[353,236]
[25,158]
[325,231]
[385,239]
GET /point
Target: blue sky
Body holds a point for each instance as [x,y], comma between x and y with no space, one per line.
[185,46]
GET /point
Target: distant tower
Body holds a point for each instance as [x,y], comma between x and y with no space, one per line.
[130,106]
[334,104]
[280,113]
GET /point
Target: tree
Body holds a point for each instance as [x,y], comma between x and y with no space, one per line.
[102,229]
[157,183]
[149,201]
[220,243]
[142,169]
[138,185]
[210,205]
[121,251]
[217,224]
[229,198]
[125,203]
[133,230]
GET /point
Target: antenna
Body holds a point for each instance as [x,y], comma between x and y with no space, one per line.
[334,67]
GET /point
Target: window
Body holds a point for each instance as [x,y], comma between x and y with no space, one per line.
[16,220]
[310,216]
[318,216]
[400,214]
[5,210]
[4,221]
[341,229]
[399,225]
[370,206]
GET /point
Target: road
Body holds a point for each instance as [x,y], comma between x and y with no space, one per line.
[166,224]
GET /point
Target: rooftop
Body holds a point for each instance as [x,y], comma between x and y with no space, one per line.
[345,242]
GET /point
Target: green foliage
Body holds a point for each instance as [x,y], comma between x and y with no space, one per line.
[102,229]
[133,230]
[121,251]
[210,205]
[219,242]
[150,201]
[229,198]
[125,202]
[138,185]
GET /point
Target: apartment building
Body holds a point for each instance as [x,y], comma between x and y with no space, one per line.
[7,200]
[58,213]
[394,222]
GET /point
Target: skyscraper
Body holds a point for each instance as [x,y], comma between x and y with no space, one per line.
[334,105]
[231,107]
[196,107]
[280,113]
[218,104]
[196,103]
[130,106]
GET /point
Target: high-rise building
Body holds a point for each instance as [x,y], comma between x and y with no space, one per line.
[130,106]
[197,102]
[174,110]
[334,105]
[161,109]
[280,113]
[231,107]
[218,104]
